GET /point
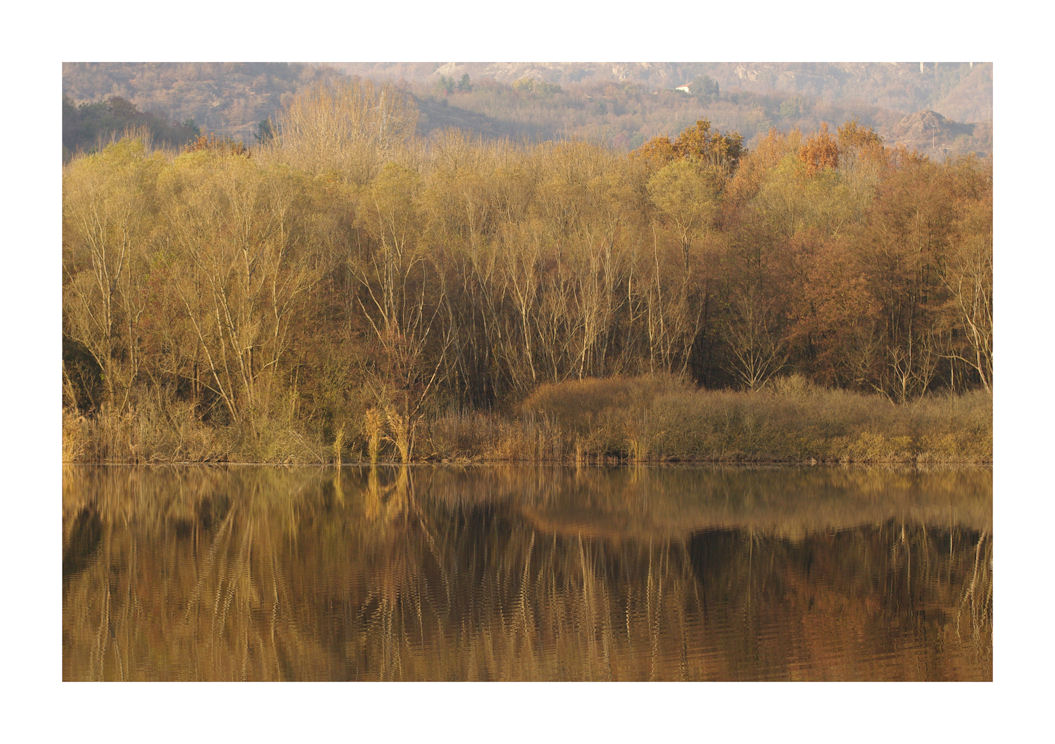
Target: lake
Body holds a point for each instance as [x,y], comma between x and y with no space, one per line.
[526,573]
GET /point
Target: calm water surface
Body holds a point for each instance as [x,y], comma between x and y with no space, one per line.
[504,573]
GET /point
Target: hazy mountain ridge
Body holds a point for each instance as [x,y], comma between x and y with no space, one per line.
[971,100]
[925,129]
[619,104]
[756,96]
[906,87]
[229,99]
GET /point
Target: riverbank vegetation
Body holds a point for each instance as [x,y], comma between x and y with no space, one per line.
[348,290]
[662,420]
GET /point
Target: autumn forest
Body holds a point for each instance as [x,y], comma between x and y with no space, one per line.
[347,289]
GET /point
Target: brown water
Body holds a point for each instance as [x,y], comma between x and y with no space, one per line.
[506,573]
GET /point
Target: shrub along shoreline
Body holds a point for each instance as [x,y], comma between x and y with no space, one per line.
[619,420]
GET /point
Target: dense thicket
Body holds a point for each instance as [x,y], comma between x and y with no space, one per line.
[346,279]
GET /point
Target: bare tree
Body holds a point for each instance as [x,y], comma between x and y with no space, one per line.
[346,128]
[108,212]
[239,270]
[402,300]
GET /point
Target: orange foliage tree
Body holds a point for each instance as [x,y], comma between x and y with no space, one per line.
[820,151]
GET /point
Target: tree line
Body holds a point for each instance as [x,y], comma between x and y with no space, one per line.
[347,277]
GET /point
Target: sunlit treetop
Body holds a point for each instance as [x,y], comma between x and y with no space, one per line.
[820,152]
[698,143]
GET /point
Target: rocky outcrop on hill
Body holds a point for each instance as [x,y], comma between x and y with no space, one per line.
[936,136]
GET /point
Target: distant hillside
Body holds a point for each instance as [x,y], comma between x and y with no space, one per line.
[93,125]
[971,99]
[229,99]
[625,103]
[929,131]
[620,105]
[905,87]
[436,115]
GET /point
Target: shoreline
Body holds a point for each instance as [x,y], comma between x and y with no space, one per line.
[485,463]
[605,422]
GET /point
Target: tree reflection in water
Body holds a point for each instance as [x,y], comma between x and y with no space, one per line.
[526,573]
